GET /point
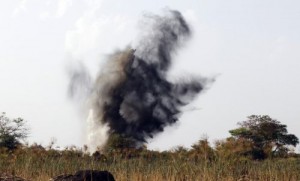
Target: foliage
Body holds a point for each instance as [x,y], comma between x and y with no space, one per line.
[233,148]
[12,131]
[202,150]
[118,143]
[268,136]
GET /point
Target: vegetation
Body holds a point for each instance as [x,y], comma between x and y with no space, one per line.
[12,131]
[266,137]
[229,160]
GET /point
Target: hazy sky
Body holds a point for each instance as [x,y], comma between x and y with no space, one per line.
[253,47]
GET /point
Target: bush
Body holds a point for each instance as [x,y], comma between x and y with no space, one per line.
[12,131]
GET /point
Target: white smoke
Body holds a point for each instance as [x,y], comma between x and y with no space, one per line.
[97,132]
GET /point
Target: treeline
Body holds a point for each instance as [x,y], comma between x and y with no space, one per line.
[260,148]
[257,138]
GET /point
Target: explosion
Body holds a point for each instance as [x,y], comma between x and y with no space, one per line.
[131,95]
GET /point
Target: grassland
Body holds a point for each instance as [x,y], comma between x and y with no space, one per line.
[36,163]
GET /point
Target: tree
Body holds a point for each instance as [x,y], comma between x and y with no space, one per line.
[268,136]
[117,142]
[12,131]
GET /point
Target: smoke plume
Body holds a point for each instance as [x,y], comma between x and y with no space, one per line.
[131,95]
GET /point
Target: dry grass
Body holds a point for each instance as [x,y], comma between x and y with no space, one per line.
[35,164]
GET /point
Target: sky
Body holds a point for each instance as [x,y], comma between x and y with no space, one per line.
[251,47]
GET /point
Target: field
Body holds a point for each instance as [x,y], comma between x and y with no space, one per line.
[37,163]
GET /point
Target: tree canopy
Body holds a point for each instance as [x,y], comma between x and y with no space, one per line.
[268,135]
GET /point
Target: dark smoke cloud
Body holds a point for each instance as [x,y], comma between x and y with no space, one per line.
[132,94]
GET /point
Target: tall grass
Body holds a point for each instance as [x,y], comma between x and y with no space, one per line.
[39,164]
